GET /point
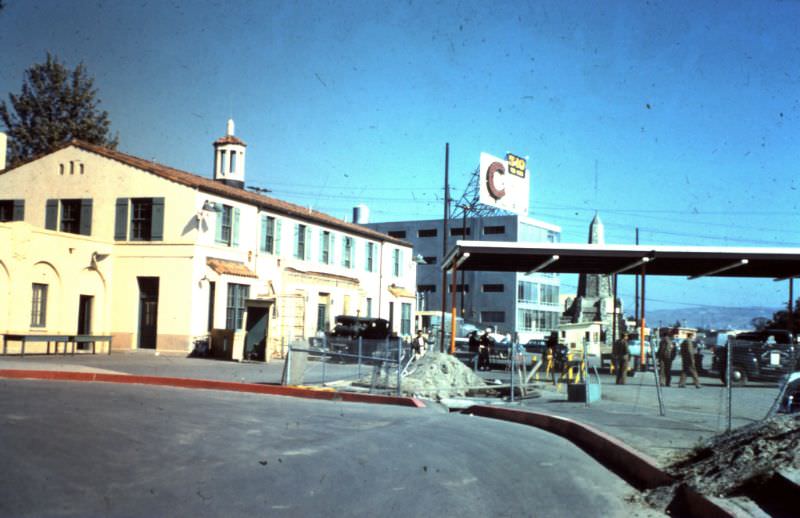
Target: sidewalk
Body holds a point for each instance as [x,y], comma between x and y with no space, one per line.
[629,412]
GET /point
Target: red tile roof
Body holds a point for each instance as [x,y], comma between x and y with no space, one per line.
[229,139]
[226,267]
[234,193]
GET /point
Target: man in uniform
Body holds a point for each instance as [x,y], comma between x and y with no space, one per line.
[666,353]
[687,359]
[621,356]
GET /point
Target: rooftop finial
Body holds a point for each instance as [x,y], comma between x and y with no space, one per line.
[230,127]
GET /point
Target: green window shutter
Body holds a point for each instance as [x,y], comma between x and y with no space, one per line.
[235,228]
[157,220]
[308,244]
[86,217]
[296,250]
[276,249]
[332,247]
[322,246]
[51,215]
[19,211]
[121,220]
[263,241]
[218,234]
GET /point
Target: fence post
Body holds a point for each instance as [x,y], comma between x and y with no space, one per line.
[399,362]
[324,356]
[289,366]
[512,352]
[359,356]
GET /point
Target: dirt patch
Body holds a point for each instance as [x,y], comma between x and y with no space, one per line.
[723,465]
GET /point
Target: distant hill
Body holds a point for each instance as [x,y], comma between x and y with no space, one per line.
[711,317]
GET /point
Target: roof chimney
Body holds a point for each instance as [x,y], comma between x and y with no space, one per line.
[3,149]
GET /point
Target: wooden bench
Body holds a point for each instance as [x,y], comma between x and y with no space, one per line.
[55,339]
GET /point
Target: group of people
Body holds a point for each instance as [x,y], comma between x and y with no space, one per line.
[483,346]
[667,352]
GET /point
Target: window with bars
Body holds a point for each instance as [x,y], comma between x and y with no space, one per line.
[39,305]
[347,252]
[141,219]
[370,257]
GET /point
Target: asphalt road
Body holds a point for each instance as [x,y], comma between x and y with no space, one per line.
[101,449]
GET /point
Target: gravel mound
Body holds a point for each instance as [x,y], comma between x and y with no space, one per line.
[438,375]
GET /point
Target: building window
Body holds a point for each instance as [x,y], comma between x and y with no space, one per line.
[427,232]
[494,230]
[301,241]
[141,218]
[325,240]
[268,234]
[396,262]
[71,216]
[12,210]
[370,257]
[222,161]
[227,224]
[493,316]
[146,221]
[548,294]
[39,305]
[405,319]
[493,288]
[460,231]
[426,288]
[233,162]
[430,259]
[401,234]
[537,320]
[237,294]
[347,252]
[528,292]
[459,288]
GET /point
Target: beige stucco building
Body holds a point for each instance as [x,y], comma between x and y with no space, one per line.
[96,241]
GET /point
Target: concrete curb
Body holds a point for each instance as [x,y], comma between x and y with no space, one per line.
[637,469]
[275,390]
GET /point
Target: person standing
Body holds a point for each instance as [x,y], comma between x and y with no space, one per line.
[666,353]
[483,352]
[687,359]
[419,345]
[621,356]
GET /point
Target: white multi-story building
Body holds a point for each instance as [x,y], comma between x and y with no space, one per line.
[95,241]
[509,302]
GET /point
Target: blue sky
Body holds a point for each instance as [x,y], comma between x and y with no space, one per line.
[680,118]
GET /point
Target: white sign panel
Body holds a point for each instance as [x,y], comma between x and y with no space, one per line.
[505,184]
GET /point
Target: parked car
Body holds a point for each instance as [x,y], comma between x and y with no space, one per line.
[759,355]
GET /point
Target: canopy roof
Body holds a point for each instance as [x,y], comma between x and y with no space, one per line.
[691,261]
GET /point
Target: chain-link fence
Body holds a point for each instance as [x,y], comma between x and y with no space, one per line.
[374,366]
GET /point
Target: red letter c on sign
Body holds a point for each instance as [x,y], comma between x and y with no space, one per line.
[496,189]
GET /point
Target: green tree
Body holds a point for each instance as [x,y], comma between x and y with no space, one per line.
[56,105]
[781,320]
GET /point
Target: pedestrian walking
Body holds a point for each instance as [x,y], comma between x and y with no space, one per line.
[687,359]
[621,355]
[666,353]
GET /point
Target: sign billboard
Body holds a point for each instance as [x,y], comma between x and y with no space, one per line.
[505,184]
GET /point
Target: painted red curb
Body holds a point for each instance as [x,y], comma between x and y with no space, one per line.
[275,390]
[637,469]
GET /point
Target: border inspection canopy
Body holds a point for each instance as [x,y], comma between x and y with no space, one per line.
[690,261]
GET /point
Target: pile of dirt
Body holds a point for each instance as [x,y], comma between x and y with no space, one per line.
[722,465]
[433,376]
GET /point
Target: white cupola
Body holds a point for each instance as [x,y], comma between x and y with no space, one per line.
[229,158]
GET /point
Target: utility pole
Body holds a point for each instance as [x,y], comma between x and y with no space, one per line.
[444,240]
